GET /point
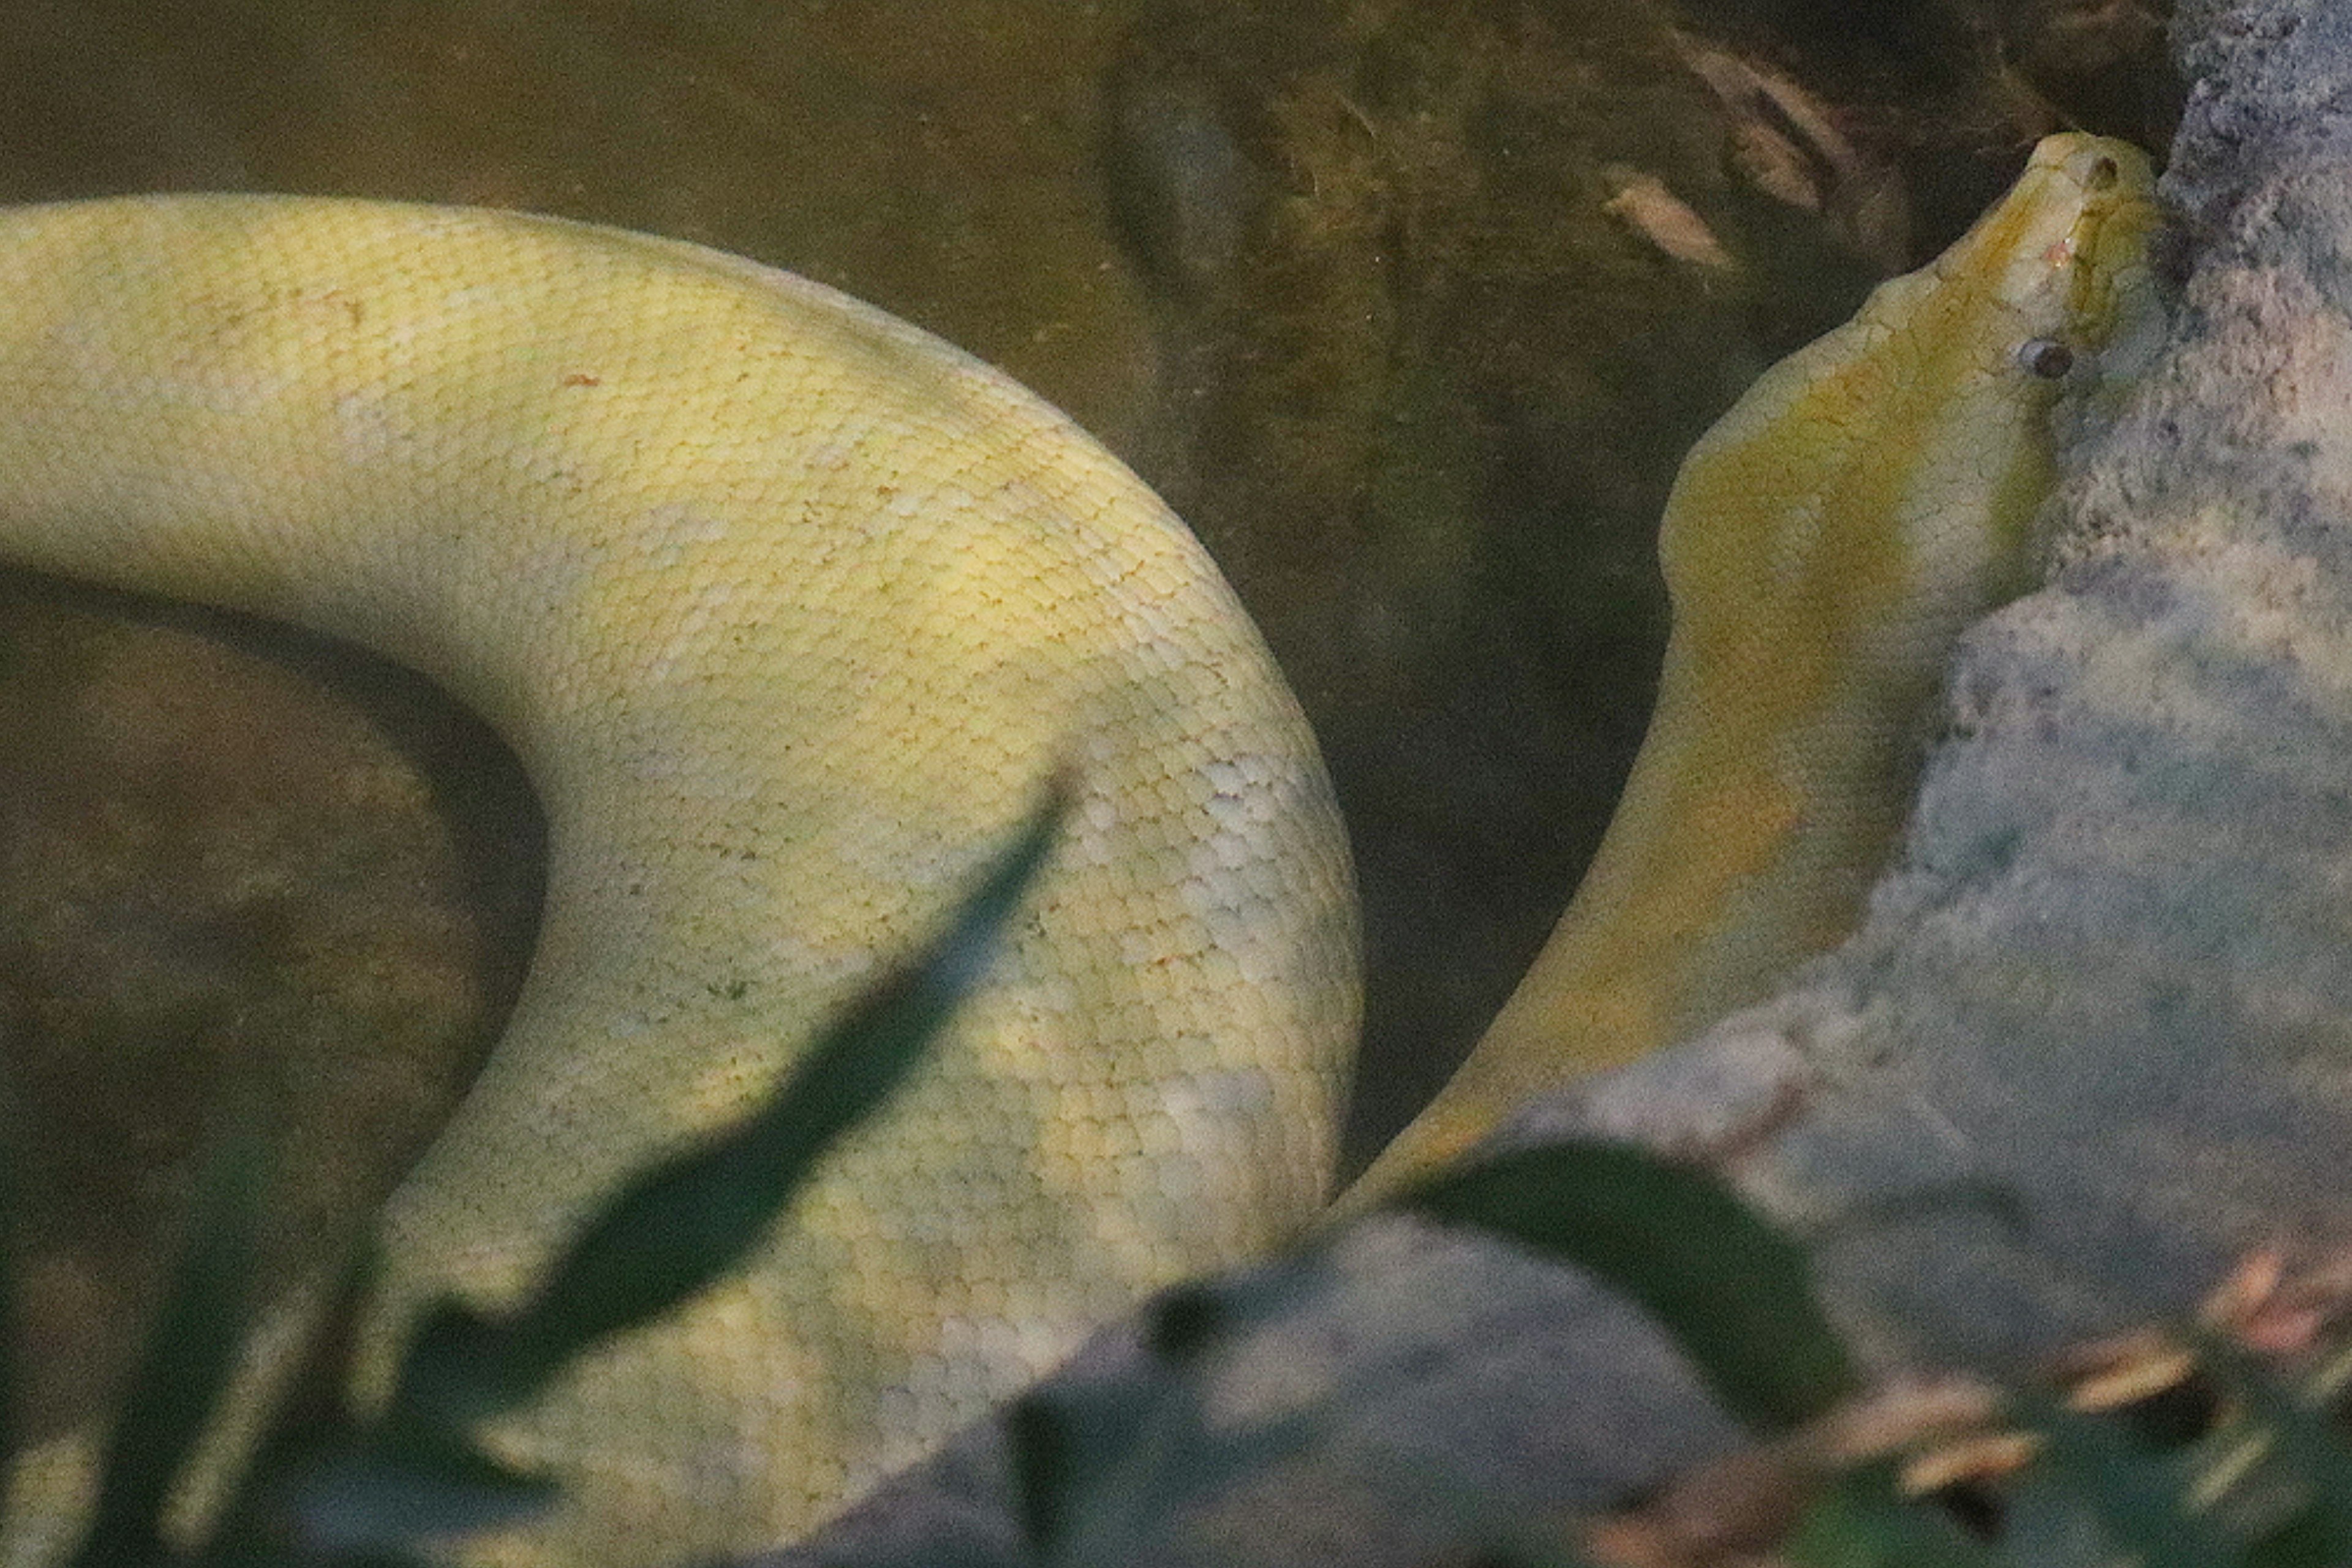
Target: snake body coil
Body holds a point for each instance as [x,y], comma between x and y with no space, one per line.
[787,608]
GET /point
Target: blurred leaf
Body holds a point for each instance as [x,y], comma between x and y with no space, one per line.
[9,1304]
[1091,1456]
[676,1229]
[387,1491]
[1125,1462]
[1101,1466]
[1734,1292]
[2304,1440]
[1182,1322]
[2309,1539]
[189,1357]
[1063,1443]
[2139,1498]
[1533,1555]
[1861,1520]
[310,1422]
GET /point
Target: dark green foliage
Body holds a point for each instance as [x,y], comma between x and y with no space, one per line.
[1101,1469]
[679,1226]
[1735,1293]
[327,1488]
[190,1355]
[2306,1540]
[1862,1520]
[2306,1445]
[8,1329]
[389,1488]
[1060,1444]
[1183,1321]
[2138,1495]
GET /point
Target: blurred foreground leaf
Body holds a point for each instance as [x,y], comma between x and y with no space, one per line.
[1861,1520]
[1100,1474]
[325,1487]
[1734,1292]
[391,1490]
[8,1285]
[678,1227]
[190,1354]
[2140,1498]
[2300,1434]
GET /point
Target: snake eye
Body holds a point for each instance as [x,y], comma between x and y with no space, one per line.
[2045,357]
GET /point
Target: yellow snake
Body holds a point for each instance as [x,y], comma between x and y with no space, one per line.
[787,607]
[1824,544]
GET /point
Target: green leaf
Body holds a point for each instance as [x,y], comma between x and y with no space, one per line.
[1100,1467]
[189,1357]
[311,1420]
[676,1229]
[9,1209]
[2308,1540]
[1184,1320]
[393,1490]
[1087,1458]
[1734,1292]
[2303,1437]
[1125,1462]
[1861,1520]
[1062,1445]
[2139,1497]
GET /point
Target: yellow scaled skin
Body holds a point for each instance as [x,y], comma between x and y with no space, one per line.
[1825,543]
[788,609]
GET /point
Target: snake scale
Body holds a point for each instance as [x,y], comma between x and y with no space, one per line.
[787,607]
